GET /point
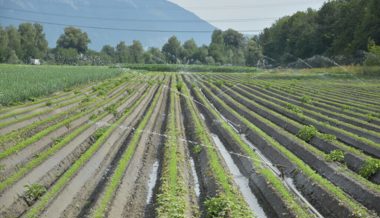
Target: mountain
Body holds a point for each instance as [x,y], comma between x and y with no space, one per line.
[116,17]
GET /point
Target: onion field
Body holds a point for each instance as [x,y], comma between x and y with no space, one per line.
[179,144]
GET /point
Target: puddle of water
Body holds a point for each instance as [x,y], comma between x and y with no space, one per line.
[195,176]
[241,181]
[152,181]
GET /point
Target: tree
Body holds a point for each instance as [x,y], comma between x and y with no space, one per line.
[189,50]
[216,48]
[74,38]
[136,52]
[32,40]
[254,53]
[108,52]
[66,56]
[3,45]
[122,53]
[154,56]
[172,50]
[14,40]
[12,58]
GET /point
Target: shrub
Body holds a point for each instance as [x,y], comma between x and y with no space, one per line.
[307,133]
[370,168]
[335,155]
[33,192]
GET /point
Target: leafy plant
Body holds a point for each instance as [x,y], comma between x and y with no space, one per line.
[335,155]
[33,192]
[306,99]
[293,108]
[370,168]
[327,137]
[99,132]
[307,133]
[48,103]
[179,86]
[219,83]
[197,149]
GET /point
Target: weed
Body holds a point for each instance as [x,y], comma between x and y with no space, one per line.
[92,117]
[33,192]
[306,99]
[293,108]
[267,86]
[99,132]
[336,156]
[370,117]
[307,133]
[327,137]
[179,86]
[58,140]
[370,168]
[197,149]
[219,83]
[48,103]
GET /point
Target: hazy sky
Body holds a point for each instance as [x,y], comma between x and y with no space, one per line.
[259,14]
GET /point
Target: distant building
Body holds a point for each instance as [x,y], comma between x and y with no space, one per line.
[35,61]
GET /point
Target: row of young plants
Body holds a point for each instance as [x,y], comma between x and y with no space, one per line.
[171,199]
[228,201]
[114,181]
[54,190]
[326,96]
[89,107]
[305,134]
[293,204]
[54,100]
[295,113]
[45,154]
[358,113]
[289,86]
[334,191]
[312,112]
[351,123]
[19,135]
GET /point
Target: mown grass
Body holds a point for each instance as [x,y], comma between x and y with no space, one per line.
[24,82]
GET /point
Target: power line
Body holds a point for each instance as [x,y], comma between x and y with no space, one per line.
[141,20]
[121,29]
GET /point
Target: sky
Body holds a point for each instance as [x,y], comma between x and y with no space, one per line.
[245,15]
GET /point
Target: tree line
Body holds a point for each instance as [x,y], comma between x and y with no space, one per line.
[344,31]
[28,41]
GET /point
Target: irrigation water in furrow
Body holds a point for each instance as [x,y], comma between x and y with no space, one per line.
[241,181]
[138,183]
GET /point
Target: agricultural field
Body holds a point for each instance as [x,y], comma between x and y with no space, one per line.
[129,143]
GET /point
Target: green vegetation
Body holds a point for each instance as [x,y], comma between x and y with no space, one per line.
[189,68]
[123,163]
[370,168]
[44,80]
[59,184]
[307,133]
[34,192]
[335,155]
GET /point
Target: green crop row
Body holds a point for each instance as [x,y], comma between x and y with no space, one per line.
[39,206]
[171,198]
[117,176]
[357,209]
[269,176]
[46,131]
[229,194]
